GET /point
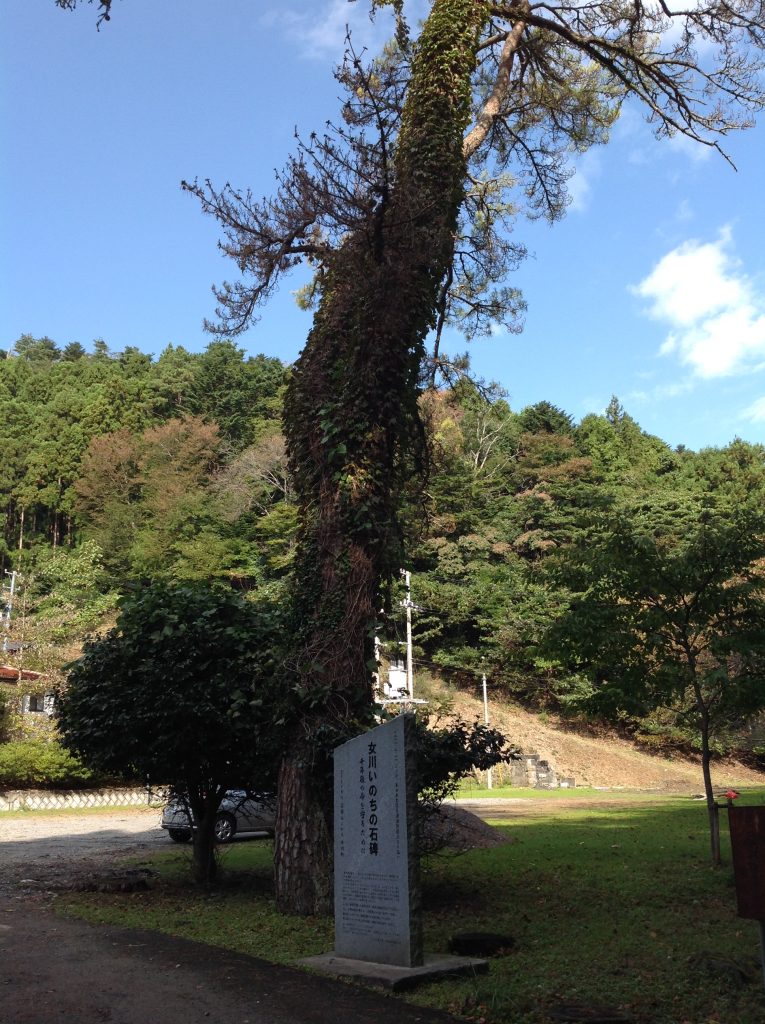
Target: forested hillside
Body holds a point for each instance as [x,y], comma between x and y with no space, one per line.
[120,469]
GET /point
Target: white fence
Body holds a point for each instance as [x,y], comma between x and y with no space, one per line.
[53,800]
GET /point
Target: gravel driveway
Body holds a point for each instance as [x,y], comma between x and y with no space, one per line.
[49,850]
[53,851]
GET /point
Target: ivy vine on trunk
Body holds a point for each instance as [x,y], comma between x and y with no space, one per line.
[351,410]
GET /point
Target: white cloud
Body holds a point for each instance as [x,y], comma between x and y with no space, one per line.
[684,212]
[633,135]
[680,387]
[716,317]
[692,281]
[588,168]
[321,33]
[636,137]
[755,412]
[590,404]
[660,392]
[697,152]
[672,35]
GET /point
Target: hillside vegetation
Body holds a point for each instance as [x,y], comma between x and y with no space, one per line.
[120,469]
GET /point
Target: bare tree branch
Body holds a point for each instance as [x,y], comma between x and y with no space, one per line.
[492,106]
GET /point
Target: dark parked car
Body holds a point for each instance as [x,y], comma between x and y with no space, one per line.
[240,813]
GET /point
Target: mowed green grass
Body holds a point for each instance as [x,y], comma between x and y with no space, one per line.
[610,906]
[470,790]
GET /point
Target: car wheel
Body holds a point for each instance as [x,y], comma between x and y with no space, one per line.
[225,828]
[179,835]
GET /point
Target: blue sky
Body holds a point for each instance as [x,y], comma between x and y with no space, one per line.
[652,288]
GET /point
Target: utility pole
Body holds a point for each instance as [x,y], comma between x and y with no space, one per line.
[486,722]
[8,592]
[376,674]
[408,605]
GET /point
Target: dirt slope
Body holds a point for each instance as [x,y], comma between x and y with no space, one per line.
[599,761]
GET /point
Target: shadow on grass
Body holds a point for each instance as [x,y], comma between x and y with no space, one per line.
[619,907]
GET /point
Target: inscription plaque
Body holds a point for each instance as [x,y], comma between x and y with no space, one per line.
[377,896]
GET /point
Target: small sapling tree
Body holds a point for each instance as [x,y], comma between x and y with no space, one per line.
[671,613]
[182,692]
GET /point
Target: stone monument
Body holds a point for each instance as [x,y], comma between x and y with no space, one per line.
[378,910]
[378,914]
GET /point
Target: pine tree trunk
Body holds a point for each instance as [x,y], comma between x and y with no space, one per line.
[350,415]
[304,852]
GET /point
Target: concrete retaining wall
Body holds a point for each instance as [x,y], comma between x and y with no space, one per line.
[534,772]
[53,800]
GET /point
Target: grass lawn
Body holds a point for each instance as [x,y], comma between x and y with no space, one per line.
[613,906]
[470,790]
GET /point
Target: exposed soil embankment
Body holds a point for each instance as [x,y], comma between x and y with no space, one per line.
[606,761]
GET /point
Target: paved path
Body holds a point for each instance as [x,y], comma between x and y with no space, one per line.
[54,970]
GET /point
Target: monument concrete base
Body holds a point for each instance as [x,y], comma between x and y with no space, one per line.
[436,966]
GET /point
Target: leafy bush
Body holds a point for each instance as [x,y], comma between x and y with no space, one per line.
[447,754]
[33,763]
[185,691]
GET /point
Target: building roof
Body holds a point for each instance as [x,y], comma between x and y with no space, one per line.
[10,674]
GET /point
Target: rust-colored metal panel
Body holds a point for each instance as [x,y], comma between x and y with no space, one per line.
[747,836]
